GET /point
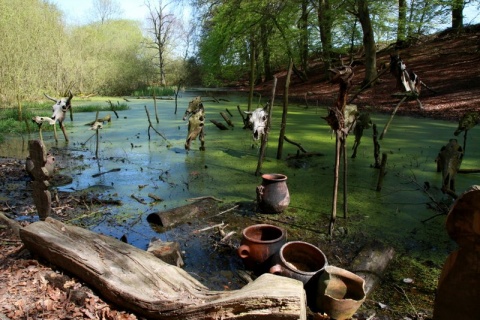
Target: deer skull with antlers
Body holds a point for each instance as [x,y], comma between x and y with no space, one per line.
[59,111]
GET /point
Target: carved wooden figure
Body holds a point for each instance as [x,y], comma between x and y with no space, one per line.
[196,122]
[448,161]
[41,170]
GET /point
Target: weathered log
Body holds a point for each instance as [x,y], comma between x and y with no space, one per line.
[227,119]
[371,262]
[178,215]
[219,125]
[139,282]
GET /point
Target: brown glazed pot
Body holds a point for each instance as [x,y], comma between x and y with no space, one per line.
[259,243]
[343,293]
[272,194]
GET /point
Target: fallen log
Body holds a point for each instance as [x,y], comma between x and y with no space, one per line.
[178,215]
[219,125]
[371,262]
[227,119]
[138,281]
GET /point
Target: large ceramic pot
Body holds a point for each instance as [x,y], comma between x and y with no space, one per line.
[343,293]
[259,243]
[301,261]
[272,194]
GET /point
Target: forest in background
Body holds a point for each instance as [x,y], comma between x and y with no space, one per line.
[222,43]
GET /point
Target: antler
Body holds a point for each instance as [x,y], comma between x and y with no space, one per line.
[70,96]
[48,97]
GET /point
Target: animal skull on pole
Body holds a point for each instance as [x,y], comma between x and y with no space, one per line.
[60,109]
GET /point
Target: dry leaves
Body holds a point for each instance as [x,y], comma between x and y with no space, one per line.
[31,290]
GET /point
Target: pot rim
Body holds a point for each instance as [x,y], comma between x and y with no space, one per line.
[274,176]
[264,225]
[312,273]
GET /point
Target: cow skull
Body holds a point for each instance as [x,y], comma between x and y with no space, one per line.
[258,120]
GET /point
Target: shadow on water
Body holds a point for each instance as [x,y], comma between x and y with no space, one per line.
[226,171]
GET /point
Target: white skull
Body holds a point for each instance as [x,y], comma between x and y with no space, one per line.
[258,119]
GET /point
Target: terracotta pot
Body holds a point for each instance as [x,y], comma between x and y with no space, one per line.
[343,293]
[299,260]
[259,243]
[272,194]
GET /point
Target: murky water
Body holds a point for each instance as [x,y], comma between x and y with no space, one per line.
[226,171]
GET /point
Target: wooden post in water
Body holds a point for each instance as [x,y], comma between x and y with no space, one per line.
[285,110]
[267,129]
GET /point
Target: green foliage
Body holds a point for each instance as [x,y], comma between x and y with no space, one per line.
[95,107]
[151,90]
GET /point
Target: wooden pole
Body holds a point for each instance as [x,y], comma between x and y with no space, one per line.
[155,105]
[376,150]
[383,168]
[344,151]
[285,111]
[391,117]
[267,129]
[333,217]
[96,149]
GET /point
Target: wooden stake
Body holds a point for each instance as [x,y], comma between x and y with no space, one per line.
[391,117]
[285,111]
[381,175]
[267,129]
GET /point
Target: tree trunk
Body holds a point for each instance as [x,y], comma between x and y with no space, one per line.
[252,74]
[138,281]
[267,68]
[457,14]
[303,26]
[402,20]
[368,42]
[325,22]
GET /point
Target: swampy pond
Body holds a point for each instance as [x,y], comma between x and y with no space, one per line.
[225,170]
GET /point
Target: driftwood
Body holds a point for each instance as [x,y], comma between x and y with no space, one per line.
[104,172]
[219,125]
[298,145]
[371,262]
[178,215]
[227,119]
[138,281]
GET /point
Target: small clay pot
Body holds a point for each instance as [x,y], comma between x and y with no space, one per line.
[259,243]
[343,293]
[273,195]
